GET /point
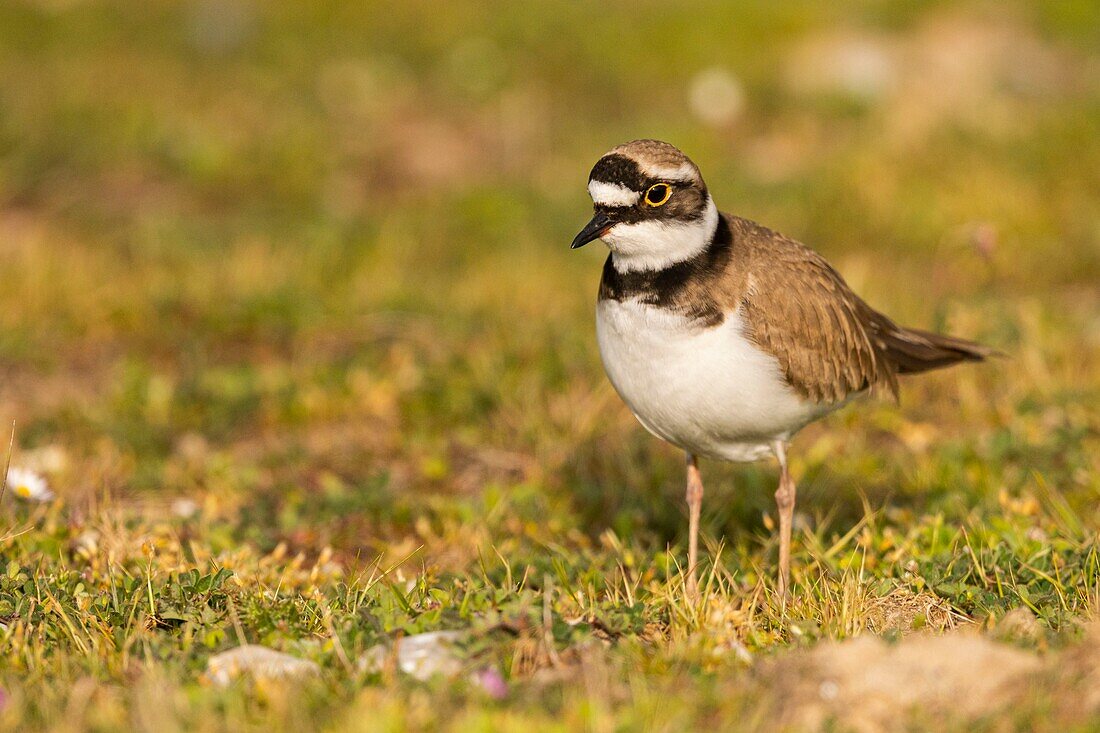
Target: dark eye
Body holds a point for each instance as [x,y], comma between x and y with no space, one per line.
[658,194]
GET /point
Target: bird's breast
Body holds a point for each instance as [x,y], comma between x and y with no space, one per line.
[706,388]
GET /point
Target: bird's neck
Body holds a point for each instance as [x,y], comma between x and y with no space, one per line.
[680,285]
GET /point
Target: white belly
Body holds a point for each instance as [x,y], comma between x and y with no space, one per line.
[709,391]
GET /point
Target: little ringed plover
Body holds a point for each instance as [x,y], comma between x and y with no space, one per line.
[724,337]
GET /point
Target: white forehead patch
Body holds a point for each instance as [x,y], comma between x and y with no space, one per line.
[611,194]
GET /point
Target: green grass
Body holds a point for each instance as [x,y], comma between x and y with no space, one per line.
[307,266]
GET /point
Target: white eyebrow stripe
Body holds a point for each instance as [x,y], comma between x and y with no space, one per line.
[683,172]
[611,194]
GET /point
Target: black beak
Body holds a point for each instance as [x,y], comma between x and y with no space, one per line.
[592,230]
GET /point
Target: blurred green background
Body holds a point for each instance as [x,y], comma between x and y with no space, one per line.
[309,260]
[286,301]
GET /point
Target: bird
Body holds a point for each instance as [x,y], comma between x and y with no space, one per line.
[724,337]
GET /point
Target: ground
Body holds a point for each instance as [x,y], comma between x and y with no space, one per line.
[289,323]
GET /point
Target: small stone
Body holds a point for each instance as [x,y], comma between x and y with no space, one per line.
[1020,624]
[259,662]
[421,656]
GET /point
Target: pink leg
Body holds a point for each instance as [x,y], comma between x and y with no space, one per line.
[784,499]
[695,506]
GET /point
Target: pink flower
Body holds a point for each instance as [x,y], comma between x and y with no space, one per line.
[491,681]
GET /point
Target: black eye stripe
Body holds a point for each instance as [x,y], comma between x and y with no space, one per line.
[684,200]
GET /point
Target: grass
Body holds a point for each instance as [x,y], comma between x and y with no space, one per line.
[288,319]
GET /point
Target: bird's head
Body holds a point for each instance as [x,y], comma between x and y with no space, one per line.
[651,206]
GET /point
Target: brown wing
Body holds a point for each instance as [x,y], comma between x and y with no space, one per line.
[800,310]
[829,343]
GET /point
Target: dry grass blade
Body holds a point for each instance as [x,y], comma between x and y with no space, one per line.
[7,463]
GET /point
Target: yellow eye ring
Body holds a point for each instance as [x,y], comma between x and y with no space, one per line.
[657,194]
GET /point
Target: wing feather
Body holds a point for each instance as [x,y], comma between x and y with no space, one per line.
[801,311]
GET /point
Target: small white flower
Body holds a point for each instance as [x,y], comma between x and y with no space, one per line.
[185,508]
[28,485]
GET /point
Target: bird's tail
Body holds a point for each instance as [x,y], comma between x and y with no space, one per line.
[915,351]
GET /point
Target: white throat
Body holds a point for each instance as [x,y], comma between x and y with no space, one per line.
[655,245]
